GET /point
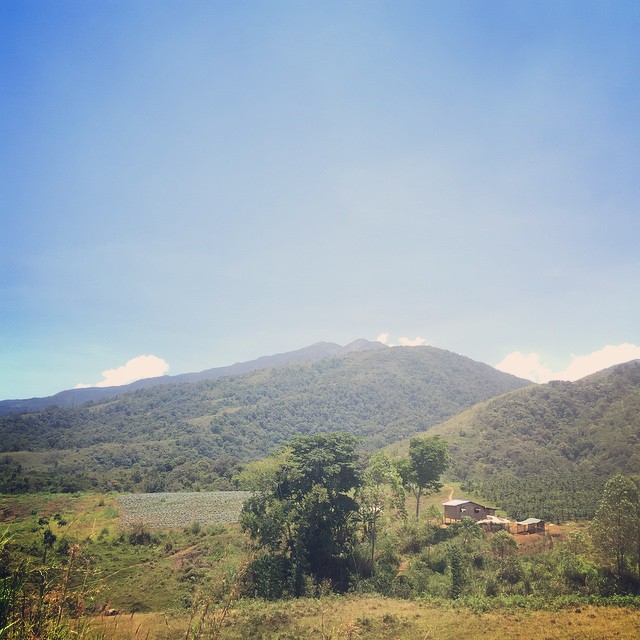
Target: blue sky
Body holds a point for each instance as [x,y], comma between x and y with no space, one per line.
[208,182]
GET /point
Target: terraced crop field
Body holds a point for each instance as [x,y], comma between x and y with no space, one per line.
[171,510]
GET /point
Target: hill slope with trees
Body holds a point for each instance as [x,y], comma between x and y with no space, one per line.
[194,435]
[547,450]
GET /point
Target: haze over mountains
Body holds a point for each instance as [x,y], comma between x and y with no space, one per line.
[77,397]
[543,450]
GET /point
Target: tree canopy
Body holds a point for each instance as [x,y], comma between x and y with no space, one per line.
[302,521]
[615,529]
[421,473]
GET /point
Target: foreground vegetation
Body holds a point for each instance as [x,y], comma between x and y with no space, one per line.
[327,546]
[192,581]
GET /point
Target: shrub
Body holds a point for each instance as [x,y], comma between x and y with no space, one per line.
[139,535]
[267,577]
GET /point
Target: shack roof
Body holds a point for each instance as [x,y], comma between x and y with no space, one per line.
[457,503]
[531,521]
[494,520]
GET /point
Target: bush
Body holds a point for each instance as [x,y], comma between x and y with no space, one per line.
[138,535]
[267,577]
[511,571]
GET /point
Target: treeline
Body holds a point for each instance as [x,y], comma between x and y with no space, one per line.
[555,496]
[108,468]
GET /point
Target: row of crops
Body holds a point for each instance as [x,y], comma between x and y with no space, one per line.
[168,510]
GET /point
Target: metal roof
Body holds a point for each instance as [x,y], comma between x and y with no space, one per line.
[530,521]
[457,503]
[494,520]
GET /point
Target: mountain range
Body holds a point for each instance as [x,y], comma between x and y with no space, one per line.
[541,450]
[77,397]
[192,434]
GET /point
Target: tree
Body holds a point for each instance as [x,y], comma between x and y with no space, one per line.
[615,529]
[504,549]
[456,559]
[302,516]
[466,530]
[503,546]
[381,489]
[428,460]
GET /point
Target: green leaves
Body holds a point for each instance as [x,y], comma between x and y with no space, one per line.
[303,514]
[615,529]
[428,460]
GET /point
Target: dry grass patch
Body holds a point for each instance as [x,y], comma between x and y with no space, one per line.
[376,618]
[140,625]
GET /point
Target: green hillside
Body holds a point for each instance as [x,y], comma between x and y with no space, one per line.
[193,435]
[547,450]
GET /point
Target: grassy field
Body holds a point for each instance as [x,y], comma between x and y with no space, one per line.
[167,585]
[376,618]
[161,573]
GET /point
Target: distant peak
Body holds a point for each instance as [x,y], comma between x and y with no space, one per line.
[362,345]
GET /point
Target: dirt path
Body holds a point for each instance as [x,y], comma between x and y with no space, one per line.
[450,497]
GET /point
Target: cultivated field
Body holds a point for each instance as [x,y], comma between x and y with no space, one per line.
[172,510]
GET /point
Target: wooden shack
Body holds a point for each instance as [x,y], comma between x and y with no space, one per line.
[455,510]
[495,523]
[530,525]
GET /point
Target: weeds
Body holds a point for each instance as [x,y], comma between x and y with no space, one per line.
[44,599]
[206,620]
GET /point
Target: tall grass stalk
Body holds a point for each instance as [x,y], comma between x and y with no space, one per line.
[207,623]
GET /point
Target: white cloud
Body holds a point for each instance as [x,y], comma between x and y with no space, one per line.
[405,342]
[528,367]
[135,369]
[531,367]
[412,342]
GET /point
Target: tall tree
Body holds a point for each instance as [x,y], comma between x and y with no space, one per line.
[381,489]
[421,473]
[302,517]
[615,529]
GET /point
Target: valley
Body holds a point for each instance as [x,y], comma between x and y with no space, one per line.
[157,506]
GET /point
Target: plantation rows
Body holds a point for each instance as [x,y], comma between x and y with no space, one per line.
[168,510]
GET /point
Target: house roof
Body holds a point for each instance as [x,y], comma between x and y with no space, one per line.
[531,521]
[457,503]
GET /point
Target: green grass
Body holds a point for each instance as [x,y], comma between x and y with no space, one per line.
[183,576]
[164,574]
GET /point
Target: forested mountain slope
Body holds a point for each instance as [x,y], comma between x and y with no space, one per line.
[192,435]
[547,450]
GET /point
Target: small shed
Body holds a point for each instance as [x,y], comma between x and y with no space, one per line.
[530,525]
[455,510]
